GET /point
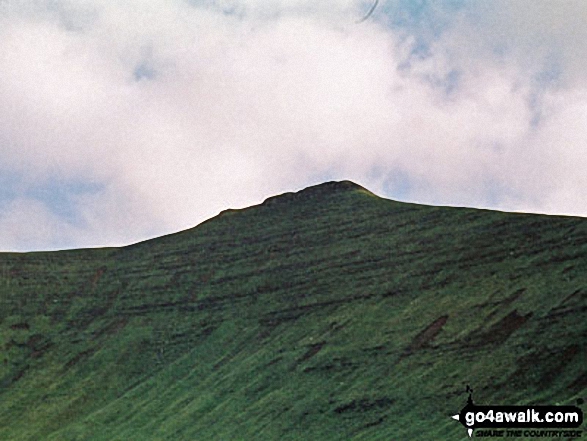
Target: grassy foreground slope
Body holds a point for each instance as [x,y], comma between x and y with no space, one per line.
[328,314]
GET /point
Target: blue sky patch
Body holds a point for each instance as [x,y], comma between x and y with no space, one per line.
[59,196]
[144,71]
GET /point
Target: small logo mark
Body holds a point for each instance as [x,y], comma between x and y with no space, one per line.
[474,416]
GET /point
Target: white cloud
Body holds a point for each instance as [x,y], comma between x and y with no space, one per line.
[540,31]
[27,223]
[181,110]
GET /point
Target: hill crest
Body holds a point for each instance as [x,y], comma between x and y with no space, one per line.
[325,189]
[327,319]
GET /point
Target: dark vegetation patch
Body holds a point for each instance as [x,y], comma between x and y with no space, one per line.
[364,404]
[294,313]
[78,358]
[375,349]
[38,345]
[312,350]
[335,364]
[500,304]
[228,357]
[375,423]
[20,374]
[579,384]
[86,317]
[499,332]
[97,276]
[112,328]
[515,296]
[427,335]
[561,312]
[560,361]
[274,361]
[267,328]
[574,294]
[542,367]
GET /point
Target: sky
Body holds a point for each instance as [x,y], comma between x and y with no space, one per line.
[121,121]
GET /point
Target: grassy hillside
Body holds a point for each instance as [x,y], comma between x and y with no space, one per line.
[328,314]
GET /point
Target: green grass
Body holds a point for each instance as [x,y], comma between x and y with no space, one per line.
[328,314]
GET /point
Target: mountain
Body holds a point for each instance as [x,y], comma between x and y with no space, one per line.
[326,314]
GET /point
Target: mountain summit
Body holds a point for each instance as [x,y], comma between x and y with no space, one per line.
[326,189]
[329,313]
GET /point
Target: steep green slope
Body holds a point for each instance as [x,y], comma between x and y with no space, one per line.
[325,314]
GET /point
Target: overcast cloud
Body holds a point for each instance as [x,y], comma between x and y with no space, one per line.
[120,121]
